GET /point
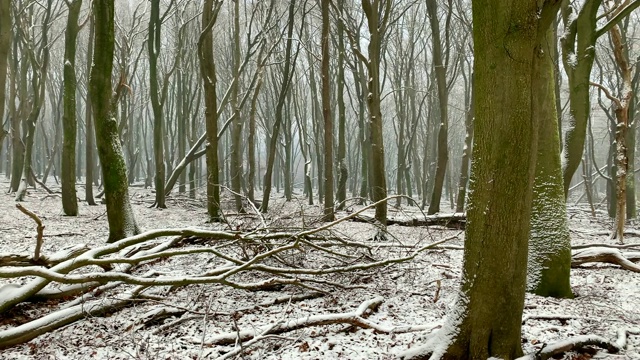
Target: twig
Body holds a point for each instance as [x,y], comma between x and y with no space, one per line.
[35,218]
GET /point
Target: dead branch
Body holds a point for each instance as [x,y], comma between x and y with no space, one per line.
[40,229]
[561,318]
[58,319]
[453,221]
[572,343]
[604,255]
[355,318]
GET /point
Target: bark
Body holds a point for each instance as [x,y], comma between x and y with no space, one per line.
[443,104]
[89,130]
[377,26]
[549,262]
[69,121]
[208,71]
[5,47]
[157,102]
[236,134]
[486,318]
[467,151]
[326,113]
[343,172]
[120,215]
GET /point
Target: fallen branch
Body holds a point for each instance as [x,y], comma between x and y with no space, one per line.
[58,319]
[40,229]
[355,318]
[621,341]
[454,221]
[572,343]
[604,255]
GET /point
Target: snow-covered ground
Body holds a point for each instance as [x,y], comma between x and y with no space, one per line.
[418,292]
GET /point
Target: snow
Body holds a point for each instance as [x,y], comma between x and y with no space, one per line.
[606,302]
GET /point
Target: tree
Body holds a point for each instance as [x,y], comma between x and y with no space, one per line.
[287,74]
[208,72]
[443,104]
[326,113]
[578,53]
[122,222]
[549,262]
[486,318]
[69,121]
[5,47]
[377,26]
[157,100]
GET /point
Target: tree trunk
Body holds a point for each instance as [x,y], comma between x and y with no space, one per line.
[286,80]
[467,151]
[238,122]
[549,263]
[208,71]
[377,28]
[89,130]
[5,47]
[157,102]
[443,98]
[486,319]
[343,172]
[120,215]
[326,113]
[69,121]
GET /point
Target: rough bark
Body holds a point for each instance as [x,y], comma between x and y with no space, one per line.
[120,215]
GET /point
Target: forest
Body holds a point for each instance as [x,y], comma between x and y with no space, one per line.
[319,179]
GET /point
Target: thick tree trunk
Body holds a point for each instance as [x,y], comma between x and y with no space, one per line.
[487,317]
[549,263]
[69,121]
[120,215]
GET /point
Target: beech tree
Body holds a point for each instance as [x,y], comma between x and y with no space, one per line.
[69,121]
[5,47]
[122,222]
[486,318]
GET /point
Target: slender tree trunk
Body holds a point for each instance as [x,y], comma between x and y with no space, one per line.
[5,48]
[208,71]
[377,28]
[120,215]
[69,121]
[467,151]
[238,122]
[157,102]
[343,172]
[89,130]
[443,97]
[286,80]
[326,113]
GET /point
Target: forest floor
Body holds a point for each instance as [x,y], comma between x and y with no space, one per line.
[417,292]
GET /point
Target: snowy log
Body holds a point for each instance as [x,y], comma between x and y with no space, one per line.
[572,343]
[602,254]
[454,221]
